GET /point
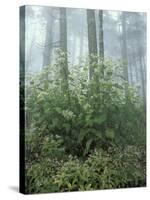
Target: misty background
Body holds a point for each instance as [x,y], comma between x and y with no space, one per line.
[124,33]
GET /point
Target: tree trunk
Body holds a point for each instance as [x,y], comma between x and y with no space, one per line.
[142,77]
[124,47]
[130,72]
[63,30]
[74,49]
[92,41]
[135,65]
[47,53]
[101,39]
[81,46]
[63,46]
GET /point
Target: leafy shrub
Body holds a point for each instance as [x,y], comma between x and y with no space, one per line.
[39,147]
[43,158]
[91,126]
[89,114]
[40,176]
[114,169]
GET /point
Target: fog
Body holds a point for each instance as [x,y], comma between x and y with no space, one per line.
[42,38]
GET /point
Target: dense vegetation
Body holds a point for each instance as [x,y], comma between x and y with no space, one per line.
[81,133]
[85,113]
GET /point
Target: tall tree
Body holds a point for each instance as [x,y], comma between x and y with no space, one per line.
[74,44]
[92,41]
[138,33]
[47,52]
[63,30]
[81,44]
[101,37]
[124,46]
[63,47]
[142,74]
[134,61]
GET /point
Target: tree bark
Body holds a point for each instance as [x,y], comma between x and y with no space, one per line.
[92,41]
[101,37]
[63,46]
[63,30]
[74,49]
[142,76]
[47,53]
[81,46]
[135,64]
[124,47]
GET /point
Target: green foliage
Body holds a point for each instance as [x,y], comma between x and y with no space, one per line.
[110,133]
[39,147]
[40,176]
[94,121]
[43,158]
[116,168]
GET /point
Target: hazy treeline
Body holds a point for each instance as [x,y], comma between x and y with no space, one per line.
[121,34]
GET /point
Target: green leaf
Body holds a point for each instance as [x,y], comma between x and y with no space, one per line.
[55,122]
[110,134]
[82,134]
[67,126]
[88,144]
[59,110]
[100,119]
